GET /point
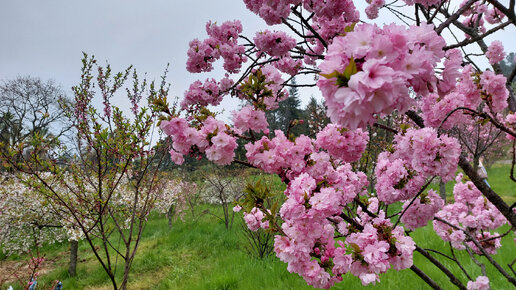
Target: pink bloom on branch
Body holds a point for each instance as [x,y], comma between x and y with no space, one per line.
[222,43]
[494,86]
[202,94]
[343,144]
[226,33]
[288,65]
[493,16]
[271,11]
[418,154]
[495,52]
[237,208]
[362,77]
[422,210]
[276,43]
[249,118]
[177,158]
[332,8]
[199,57]
[372,9]
[470,211]
[481,283]
[254,219]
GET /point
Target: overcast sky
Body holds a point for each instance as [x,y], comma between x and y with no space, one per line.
[46,38]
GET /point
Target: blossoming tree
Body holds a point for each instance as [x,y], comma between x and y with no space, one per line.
[330,224]
[110,183]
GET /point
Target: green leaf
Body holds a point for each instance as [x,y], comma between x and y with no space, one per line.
[351,69]
[350,28]
[334,74]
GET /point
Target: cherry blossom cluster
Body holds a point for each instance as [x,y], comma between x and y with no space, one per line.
[280,155]
[274,11]
[481,283]
[288,65]
[494,91]
[211,139]
[471,212]
[277,154]
[428,153]
[203,94]
[422,210]
[495,53]
[426,3]
[368,72]
[311,248]
[223,42]
[341,143]
[271,11]
[249,118]
[467,88]
[510,121]
[418,154]
[380,246]
[372,10]
[394,179]
[274,43]
[477,14]
[278,44]
[255,220]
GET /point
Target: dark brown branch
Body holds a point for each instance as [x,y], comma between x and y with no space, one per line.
[441,267]
[394,131]
[484,253]
[454,16]
[413,199]
[425,277]
[492,196]
[477,37]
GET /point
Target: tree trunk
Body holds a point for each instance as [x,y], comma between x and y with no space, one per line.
[442,190]
[74,245]
[476,163]
[170,215]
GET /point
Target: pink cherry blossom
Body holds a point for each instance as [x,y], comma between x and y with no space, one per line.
[495,52]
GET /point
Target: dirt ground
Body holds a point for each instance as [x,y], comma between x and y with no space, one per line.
[17,272]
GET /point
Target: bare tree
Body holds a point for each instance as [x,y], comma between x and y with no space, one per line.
[32,107]
[223,187]
[28,106]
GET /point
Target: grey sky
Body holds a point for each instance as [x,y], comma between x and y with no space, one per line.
[46,38]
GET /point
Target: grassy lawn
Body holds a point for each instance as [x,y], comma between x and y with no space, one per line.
[201,254]
[498,179]
[204,255]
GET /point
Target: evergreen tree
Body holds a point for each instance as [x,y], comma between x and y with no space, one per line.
[315,116]
[508,65]
[287,113]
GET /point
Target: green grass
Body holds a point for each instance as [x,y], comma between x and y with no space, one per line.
[498,179]
[202,254]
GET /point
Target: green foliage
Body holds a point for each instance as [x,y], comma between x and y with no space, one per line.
[109,185]
[202,254]
[286,117]
[342,79]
